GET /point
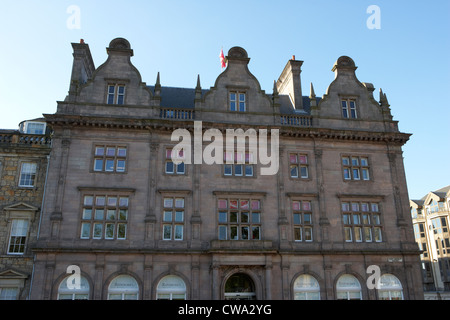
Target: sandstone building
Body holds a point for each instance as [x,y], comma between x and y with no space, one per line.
[430,216]
[23,166]
[138,225]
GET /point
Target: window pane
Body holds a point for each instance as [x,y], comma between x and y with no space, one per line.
[169,167]
[303,159]
[255,205]
[348,234]
[179,216]
[168,202]
[256,217]
[365,174]
[222,216]
[87,214]
[377,234]
[244,233]
[233,204]
[245,204]
[233,217]
[98,214]
[180,168]
[98,227]
[238,169]
[167,232]
[356,174]
[304,172]
[222,204]
[178,232]
[222,232]
[358,234]
[111,215]
[123,214]
[109,231]
[308,233]
[256,233]
[347,174]
[88,200]
[98,164]
[293,158]
[345,161]
[244,217]
[233,233]
[294,171]
[297,234]
[121,152]
[248,170]
[123,202]
[368,234]
[122,231]
[167,216]
[228,169]
[307,218]
[85,230]
[120,166]
[297,218]
[99,151]
[306,205]
[100,201]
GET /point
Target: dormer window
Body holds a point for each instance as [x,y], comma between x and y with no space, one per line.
[349,108]
[34,127]
[238,101]
[116,94]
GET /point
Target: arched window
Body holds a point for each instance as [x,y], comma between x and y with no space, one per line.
[80,293]
[123,287]
[390,288]
[348,288]
[171,288]
[306,287]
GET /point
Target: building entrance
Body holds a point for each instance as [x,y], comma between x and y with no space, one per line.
[240,287]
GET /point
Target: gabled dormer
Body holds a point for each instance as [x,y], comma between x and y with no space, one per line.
[349,103]
[116,84]
[236,95]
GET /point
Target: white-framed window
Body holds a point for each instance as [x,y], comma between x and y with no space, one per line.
[349,109]
[362,221]
[390,288]
[123,287]
[298,165]
[238,164]
[173,218]
[80,293]
[306,287]
[348,288]
[116,94]
[356,168]
[171,287]
[302,220]
[18,236]
[238,101]
[104,216]
[35,127]
[109,158]
[9,293]
[239,219]
[172,168]
[27,174]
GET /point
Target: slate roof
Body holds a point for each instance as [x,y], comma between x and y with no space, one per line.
[183,98]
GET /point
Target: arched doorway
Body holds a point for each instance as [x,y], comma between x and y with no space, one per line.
[240,286]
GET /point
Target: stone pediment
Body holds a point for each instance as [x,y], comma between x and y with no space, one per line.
[20,210]
[12,274]
[20,206]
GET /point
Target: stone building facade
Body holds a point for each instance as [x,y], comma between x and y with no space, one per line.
[430,217]
[135,223]
[23,165]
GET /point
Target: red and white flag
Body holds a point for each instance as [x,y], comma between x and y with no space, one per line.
[223,62]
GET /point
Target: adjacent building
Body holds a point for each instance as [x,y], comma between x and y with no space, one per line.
[131,215]
[430,216]
[23,166]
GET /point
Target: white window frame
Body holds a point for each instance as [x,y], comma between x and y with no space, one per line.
[30,123]
[115,94]
[32,173]
[171,222]
[18,231]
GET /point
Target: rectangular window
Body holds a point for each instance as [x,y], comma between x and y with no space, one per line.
[104,217]
[110,158]
[238,164]
[298,165]
[18,236]
[116,94]
[173,218]
[238,101]
[35,127]
[302,220]
[355,168]
[361,222]
[239,219]
[27,174]
[171,167]
[349,109]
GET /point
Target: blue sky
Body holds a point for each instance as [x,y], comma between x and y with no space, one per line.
[408,57]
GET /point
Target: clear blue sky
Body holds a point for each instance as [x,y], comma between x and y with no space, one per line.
[409,57]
